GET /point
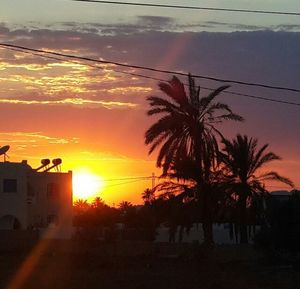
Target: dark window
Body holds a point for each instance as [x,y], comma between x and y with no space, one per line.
[9,185]
[52,220]
[52,191]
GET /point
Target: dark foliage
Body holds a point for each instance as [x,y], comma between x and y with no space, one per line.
[243,162]
[187,131]
[280,236]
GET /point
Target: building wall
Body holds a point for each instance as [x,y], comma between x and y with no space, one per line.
[38,200]
[14,203]
[50,203]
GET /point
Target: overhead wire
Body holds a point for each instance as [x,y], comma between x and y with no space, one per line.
[127,178]
[152,69]
[125,183]
[255,11]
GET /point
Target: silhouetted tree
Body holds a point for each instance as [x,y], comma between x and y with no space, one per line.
[128,214]
[195,205]
[186,130]
[81,206]
[98,203]
[280,237]
[148,196]
[92,220]
[125,206]
[243,161]
[81,213]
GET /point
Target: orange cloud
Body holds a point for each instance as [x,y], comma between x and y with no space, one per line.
[72,101]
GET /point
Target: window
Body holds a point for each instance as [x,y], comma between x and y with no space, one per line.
[9,186]
[52,220]
[52,191]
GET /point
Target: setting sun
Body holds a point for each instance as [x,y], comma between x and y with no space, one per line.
[86,185]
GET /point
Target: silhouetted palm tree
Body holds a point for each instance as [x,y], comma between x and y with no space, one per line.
[124,206]
[186,130]
[98,203]
[128,214]
[148,196]
[81,214]
[244,161]
[207,201]
[81,206]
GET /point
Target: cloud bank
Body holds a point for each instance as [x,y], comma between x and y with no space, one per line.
[50,87]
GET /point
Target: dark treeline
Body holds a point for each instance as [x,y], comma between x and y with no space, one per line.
[279,220]
[98,220]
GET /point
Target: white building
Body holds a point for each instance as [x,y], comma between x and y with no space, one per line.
[31,199]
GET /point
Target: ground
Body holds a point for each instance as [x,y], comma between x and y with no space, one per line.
[85,265]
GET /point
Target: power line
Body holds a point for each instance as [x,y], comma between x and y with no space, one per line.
[128,178]
[258,97]
[150,77]
[125,183]
[151,69]
[81,63]
[192,7]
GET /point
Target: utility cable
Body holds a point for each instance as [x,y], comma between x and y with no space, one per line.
[129,178]
[123,183]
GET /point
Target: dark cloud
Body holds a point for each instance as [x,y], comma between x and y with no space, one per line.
[156,21]
[235,26]
[245,55]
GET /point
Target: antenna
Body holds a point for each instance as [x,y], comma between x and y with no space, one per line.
[3,151]
[153,180]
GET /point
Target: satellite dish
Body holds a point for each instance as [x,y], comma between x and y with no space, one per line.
[3,151]
[56,162]
[44,163]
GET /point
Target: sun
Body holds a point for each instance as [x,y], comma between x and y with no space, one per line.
[86,185]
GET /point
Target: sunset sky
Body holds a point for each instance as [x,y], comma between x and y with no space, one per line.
[95,118]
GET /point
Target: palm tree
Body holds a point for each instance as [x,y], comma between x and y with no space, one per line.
[125,206]
[244,162]
[81,214]
[98,203]
[81,206]
[187,130]
[148,196]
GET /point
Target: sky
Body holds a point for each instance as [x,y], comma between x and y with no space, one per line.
[95,118]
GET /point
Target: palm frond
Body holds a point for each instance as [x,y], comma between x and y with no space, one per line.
[274,176]
[263,160]
[174,89]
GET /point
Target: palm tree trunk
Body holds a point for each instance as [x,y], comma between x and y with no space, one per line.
[243,220]
[244,234]
[207,220]
[208,234]
[180,234]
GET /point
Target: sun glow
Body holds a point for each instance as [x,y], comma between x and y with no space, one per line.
[86,185]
